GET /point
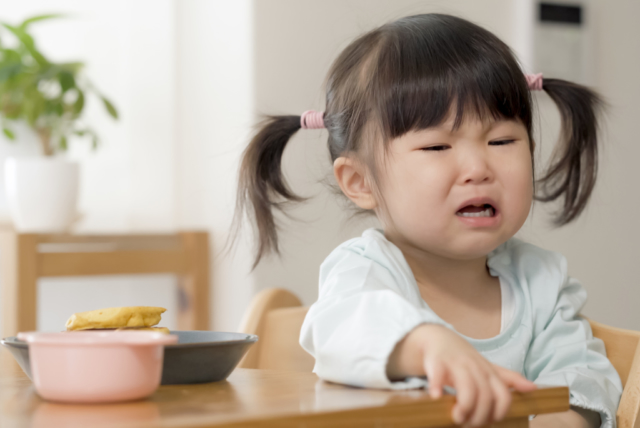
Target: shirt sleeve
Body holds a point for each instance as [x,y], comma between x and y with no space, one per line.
[564,352]
[362,312]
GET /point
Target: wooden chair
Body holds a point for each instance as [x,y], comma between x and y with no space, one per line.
[623,350]
[26,257]
[276,316]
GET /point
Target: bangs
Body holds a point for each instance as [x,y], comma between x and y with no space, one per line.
[424,70]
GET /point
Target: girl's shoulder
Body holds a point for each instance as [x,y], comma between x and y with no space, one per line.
[371,246]
[527,259]
[543,278]
[541,273]
[371,236]
[371,253]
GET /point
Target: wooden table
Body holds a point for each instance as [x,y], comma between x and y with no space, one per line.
[256,398]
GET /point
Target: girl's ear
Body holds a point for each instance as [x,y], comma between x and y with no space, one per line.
[351,177]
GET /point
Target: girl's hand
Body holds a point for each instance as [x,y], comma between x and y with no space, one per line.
[482,388]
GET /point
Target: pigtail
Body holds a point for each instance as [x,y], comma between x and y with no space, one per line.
[261,185]
[573,170]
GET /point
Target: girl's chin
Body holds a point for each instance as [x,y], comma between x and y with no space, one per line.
[476,249]
[456,247]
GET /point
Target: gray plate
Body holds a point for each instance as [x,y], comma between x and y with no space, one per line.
[198,357]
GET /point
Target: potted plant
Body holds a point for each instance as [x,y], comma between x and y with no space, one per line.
[49,98]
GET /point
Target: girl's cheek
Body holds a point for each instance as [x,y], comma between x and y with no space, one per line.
[523,189]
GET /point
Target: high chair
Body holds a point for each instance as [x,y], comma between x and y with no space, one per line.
[623,350]
[276,316]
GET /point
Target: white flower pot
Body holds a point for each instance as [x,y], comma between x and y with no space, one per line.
[42,193]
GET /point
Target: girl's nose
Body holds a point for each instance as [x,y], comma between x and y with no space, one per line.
[475,169]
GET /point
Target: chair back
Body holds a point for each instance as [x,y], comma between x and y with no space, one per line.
[623,352]
[621,346]
[276,316]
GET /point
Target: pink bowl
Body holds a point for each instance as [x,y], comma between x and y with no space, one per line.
[95,366]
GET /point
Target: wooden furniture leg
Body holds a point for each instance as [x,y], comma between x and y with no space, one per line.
[193,285]
[18,264]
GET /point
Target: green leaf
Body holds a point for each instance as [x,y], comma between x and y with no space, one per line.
[27,42]
[57,107]
[25,71]
[67,81]
[79,104]
[72,67]
[9,134]
[110,108]
[33,106]
[19,33]
[10,55]
[49,71]
[22,36]
[8,71]
[33,19]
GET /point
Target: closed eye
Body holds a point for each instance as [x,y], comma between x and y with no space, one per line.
[435,148]
[501,142]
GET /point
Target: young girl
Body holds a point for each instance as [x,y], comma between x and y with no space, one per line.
[430,128]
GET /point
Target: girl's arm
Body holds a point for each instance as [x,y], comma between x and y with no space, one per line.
[407,359]
[482,388]
[364,309]
[576,417]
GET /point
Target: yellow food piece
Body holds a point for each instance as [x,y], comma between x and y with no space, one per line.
[126,316]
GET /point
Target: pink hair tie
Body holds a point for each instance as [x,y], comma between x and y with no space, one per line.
[534,81]
[312,119]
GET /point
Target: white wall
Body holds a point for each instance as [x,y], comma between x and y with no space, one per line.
[215,98]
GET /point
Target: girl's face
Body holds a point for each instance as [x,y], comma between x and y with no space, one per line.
[457,194]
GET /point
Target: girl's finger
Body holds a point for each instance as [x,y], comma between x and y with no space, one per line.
[466,393]
[515,380]
[435,372]
[483,412]
[502,398]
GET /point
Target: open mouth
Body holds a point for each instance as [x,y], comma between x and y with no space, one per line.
[484,210]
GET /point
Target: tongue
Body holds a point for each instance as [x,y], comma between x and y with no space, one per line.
[472,209]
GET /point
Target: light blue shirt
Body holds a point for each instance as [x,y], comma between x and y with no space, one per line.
[369,300]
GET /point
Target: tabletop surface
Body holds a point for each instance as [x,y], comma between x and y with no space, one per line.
[256,398]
